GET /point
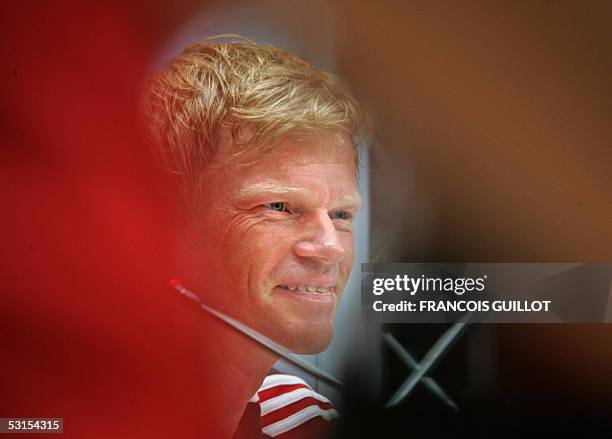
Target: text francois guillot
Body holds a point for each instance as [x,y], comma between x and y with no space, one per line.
[458,286]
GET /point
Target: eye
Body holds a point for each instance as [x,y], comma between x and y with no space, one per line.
[278,206]
[341,214]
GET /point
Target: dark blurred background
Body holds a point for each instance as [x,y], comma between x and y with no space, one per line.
[493,144]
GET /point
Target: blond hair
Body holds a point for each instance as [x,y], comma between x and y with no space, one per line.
[241,84]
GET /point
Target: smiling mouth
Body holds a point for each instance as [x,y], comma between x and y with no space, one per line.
[308,289]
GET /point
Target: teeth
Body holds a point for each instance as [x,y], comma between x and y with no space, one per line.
[309,288]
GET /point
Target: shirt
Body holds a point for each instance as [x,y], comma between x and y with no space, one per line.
[286,407]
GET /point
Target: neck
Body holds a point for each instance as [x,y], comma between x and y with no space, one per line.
[234,368]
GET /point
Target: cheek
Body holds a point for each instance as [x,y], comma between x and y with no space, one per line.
[237,232]
[349,249]
[256,246]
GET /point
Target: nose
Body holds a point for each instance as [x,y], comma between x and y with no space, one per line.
[320,240]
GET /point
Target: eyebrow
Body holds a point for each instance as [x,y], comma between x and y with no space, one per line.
[267,188]
[351,201]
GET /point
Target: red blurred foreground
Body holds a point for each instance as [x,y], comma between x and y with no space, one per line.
[90,328]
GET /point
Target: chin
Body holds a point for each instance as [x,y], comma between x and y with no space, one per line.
[308,346]
[308,340]
[302,330]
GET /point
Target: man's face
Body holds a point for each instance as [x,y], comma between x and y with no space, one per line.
[275,242]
